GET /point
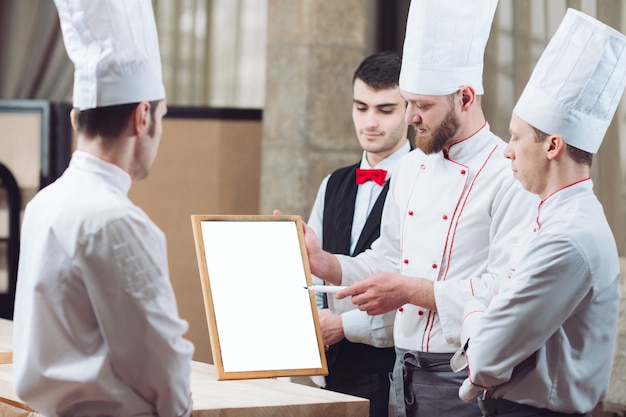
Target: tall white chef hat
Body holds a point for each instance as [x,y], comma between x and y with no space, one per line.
[577,83]
[445,44]
[115,50]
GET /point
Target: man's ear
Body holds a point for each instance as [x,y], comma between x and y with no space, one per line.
[73,118]
[468,96]
[555,146]
[141,117]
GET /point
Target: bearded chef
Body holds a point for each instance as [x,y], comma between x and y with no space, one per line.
[450,215]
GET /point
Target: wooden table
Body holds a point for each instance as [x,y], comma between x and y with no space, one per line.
[213,398]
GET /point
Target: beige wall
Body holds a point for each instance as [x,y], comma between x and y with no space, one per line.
[203,167]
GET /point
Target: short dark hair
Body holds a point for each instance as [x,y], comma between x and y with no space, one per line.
[110,121]
[380,70]
[578,155]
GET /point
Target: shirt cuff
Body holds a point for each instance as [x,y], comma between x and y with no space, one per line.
[356,326]
[450,309]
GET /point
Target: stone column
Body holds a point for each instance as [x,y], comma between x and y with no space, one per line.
[313,48]
[607,170]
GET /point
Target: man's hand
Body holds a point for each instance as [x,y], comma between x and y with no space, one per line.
[377,294]
[331,326]
[386,291]
[323,264]
[314,251]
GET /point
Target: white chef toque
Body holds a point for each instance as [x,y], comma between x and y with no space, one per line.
[444,45]
[577,83]
[115,50]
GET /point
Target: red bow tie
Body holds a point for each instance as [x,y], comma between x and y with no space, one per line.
[376,175]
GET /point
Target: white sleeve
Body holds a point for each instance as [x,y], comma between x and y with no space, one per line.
[505,338]
[358,326]
[384,254]
[315,222]
[469,392]
[377,331]
[138,315]
[512,211]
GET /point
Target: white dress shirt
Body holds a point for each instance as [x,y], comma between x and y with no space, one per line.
[358,326]
[96,327]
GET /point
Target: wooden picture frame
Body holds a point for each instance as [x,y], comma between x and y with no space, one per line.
[262,322]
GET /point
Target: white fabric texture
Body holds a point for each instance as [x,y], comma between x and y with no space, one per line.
[445,44]
[577,83]
[547,337]
[115,50]
[96,325]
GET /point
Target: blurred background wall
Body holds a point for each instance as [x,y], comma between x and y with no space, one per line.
[294,61]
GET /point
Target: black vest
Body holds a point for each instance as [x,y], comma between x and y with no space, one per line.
[341,189]
[339,212]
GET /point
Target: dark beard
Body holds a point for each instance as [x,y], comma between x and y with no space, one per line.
[440,136]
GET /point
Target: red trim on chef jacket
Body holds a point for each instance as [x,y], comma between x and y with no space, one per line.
[542,201]
[431,316]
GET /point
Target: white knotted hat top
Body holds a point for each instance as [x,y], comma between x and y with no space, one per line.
[115,50]
[577,83]
[444,45]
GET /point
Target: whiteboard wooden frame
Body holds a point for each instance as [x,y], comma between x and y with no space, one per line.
[262,322]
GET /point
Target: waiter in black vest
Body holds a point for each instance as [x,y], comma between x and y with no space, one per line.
[346,218]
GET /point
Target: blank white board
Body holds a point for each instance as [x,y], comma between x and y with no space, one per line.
[262,321]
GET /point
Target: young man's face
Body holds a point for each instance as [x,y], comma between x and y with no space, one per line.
[378,117]
[528,157]
[434,118]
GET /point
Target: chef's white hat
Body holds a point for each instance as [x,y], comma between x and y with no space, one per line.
[445,44]
[115,50]
[577,83]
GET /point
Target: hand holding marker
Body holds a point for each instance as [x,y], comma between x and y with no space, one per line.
[326,288]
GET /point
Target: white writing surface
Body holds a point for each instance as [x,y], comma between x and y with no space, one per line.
[264,319]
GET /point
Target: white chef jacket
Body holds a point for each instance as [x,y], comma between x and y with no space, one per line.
[547,337]
[447,219]
[96,326]
[358,326]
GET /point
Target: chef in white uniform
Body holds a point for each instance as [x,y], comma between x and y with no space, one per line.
[96,326]
[450,215]
[544,343]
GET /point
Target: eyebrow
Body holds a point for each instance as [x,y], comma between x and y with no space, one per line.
[377,105]
[418,100]
[423,102]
